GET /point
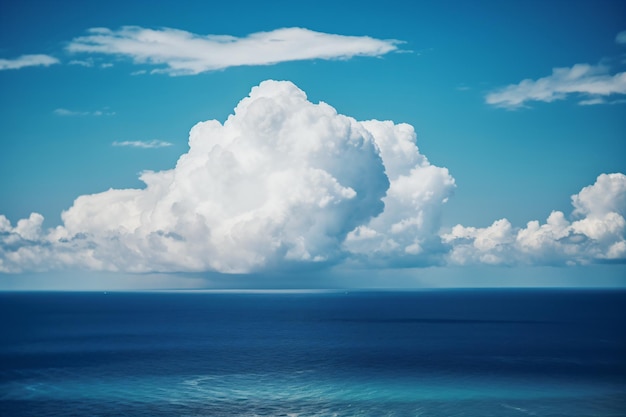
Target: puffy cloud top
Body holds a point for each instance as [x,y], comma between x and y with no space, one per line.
[407,231]
[607,195]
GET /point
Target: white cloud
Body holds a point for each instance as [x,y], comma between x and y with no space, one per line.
[406,231]
[592,101]
[592,82]
[177,52]
[268,187]
[597,233]
[89,63]
[621,38]
[82,62]
[28,61]
[146,144]
[66,112]
[607,195]
[285,183]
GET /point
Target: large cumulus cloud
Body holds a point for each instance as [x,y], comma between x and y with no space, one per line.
[282,181]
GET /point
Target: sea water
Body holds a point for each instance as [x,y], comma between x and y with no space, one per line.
[324,353]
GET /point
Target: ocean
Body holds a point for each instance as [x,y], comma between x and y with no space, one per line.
[529,352]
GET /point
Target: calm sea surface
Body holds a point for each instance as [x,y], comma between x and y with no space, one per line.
[422,353]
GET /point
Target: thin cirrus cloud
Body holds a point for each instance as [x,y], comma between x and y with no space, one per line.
[71,113]
[178,52]
[144,144]
[89,63]
[28,61]
[270,189]
[593,83]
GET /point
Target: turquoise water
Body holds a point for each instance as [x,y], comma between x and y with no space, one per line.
[430,353]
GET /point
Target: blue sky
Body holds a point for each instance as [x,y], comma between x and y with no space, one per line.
[82,115]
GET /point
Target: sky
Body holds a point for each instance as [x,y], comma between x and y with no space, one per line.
[160,144]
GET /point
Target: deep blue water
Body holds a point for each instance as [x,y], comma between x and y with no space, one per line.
[422,353]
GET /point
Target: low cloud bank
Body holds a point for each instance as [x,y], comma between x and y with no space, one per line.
[597,233]
[285,183]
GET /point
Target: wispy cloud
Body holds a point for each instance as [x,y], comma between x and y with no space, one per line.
[89,63]
[592,101]
[621,38]
[148,144]
[177,52]
[28,61]
[66,112]
[82,62]
[593,82]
